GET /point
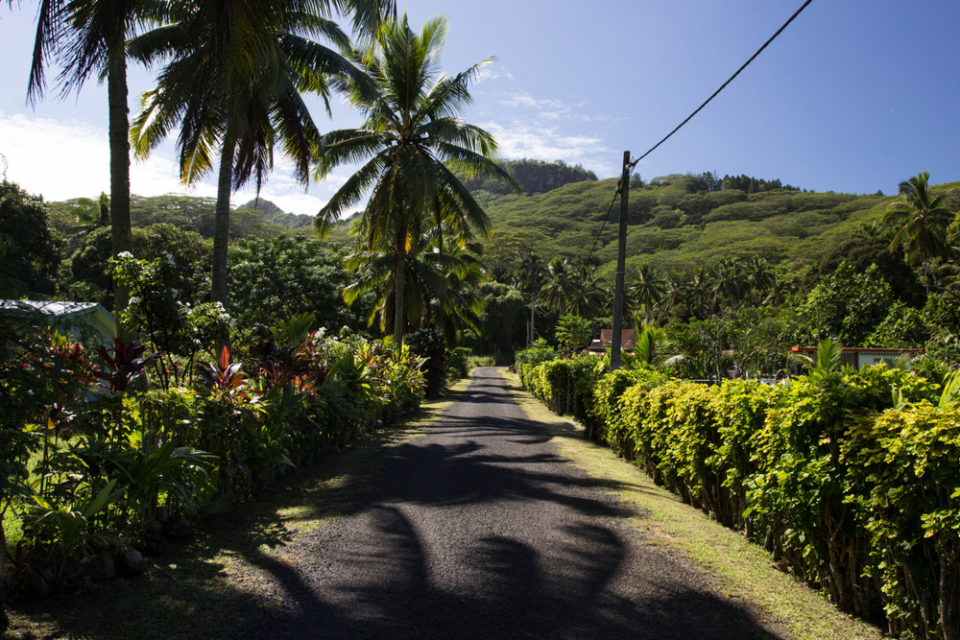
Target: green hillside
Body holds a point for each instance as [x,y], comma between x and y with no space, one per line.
[677,223]
[261,219]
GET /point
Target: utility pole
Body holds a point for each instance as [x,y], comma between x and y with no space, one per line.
[616,339]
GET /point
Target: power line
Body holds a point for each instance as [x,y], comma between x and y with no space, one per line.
[634,162]
[724,85]
[605,218]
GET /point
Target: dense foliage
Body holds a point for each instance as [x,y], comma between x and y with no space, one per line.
[112,449]
[29,255]
[848,478]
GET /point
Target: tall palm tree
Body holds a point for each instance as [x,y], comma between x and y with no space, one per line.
[920,220]
[234,83]
[410,136]
[530,280]
[88,37]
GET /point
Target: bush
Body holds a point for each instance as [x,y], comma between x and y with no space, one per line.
[849,478]
[111,455]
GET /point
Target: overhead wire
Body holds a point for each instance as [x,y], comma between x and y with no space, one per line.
[605,218]
[634,161]
[724,85]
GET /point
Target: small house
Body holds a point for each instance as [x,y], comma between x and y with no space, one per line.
[860,357]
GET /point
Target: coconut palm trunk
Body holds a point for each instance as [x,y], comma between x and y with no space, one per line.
[119,127]
[399,281]
[221,222]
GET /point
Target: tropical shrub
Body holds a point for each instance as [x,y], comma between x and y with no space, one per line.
[104,451]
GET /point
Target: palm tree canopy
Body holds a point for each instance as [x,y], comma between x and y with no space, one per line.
[409,145]
[920,220]
[411,138]
[239,73]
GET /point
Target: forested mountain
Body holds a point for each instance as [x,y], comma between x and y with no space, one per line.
[532,176]
[263,219]
[679,222]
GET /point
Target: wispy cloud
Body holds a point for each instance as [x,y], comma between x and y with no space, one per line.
[527,139]
[493,71]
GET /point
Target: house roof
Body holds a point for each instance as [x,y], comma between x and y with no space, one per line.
[879,351]
[626,338]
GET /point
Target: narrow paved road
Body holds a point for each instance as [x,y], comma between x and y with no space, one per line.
[479,529]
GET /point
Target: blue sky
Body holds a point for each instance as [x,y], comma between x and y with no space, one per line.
[856,95]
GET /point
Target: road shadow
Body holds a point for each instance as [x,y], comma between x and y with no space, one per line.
[253,573]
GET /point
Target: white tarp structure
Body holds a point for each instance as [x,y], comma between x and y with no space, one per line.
[79,320]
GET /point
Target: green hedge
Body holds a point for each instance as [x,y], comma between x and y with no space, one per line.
[853,494]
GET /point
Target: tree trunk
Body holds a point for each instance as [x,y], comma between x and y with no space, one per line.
[119,127]
[533,305]
[399,280]
[221,223]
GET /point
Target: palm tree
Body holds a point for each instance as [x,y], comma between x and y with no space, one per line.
[530,280]
[699,289]
[759,276]
[410,135]
[728,282]
[440,294]
[646,290]
[234,82]
[559,286]
[89,37]
[920,220]
[588,294]
[675,294]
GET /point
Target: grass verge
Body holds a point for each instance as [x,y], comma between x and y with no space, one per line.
[742,570]
[231,569]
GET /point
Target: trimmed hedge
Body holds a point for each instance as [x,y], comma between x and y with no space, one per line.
[849,492]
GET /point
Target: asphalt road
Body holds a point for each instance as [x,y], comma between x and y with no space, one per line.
[479,529]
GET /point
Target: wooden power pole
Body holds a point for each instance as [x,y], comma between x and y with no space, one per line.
[616,338]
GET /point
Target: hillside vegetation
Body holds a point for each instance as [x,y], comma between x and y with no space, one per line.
[260,218]
[678,222]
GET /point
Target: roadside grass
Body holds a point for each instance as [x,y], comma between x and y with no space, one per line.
[233,568]
[742,570]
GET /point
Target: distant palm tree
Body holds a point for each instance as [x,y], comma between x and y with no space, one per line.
[559,285]
[234,82]
[588,293]
[700,290]
[530,280]
[441,294]
[920,220]
[410,135]
[645,291]
[675,293]
[759,276]
[728,283]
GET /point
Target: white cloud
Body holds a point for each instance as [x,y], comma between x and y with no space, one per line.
[524,99]
[526,139]
[69,159]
